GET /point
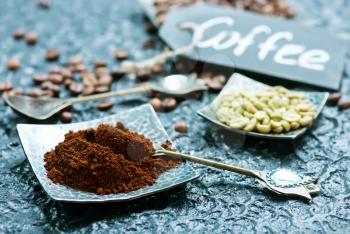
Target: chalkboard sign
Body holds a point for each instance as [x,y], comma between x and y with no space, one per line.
[259,44]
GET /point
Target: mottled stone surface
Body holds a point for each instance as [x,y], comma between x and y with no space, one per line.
[218,201]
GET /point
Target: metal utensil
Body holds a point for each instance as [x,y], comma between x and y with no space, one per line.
[280,181]
[43,108]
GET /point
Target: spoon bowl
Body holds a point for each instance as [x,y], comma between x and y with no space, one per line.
[44,108]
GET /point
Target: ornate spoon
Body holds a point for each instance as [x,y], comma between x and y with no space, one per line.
[280,181]
[43,108]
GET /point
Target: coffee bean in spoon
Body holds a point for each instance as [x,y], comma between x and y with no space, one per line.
[104,106]
[13,64]
[52,54]
[32,38]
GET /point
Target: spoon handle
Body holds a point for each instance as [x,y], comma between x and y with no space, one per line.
[141,89]
[210,163]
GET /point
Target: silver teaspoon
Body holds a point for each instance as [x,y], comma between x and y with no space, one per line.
[280,181]
[43,108]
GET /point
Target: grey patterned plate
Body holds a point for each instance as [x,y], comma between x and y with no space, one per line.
[238,82]
[38,139]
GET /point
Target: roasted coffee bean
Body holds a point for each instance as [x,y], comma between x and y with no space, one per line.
[150,27]
[158,68]
[13,64]
[151,43]
[48,94]
[66,73]
[75,60]
[31,38]
[117,74]
[40,78]
[101,89]
[56,78]
[76,88]
[169,104]
[44,4]
[52,54]
[67,82]
[221,78]
[101,71]
[5,86]
[334,98]
[14,92]
[34,92]
[66,117]
[46,85]
[18,34]
[214,85]
[157,104]
[181,127]
[100,63]
[89,79]
[344,104]
[104,106]
[143,76]
[105,80]
[88,90]
[121,54]
[81,68]
[55,70]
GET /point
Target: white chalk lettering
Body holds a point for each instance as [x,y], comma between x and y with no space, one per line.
[279,43]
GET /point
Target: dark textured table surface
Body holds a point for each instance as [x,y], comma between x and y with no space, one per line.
[218,201]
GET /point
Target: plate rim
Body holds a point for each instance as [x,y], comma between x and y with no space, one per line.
[196,174]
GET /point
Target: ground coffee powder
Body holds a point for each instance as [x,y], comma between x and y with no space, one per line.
[105,160]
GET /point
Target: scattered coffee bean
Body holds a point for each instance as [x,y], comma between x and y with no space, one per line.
[117,74]
[89,79]
[150,27]
[40,78]
[158,68]
[76,88]
[334,98]
[151,43]
[67,82]
[31,38]
[81,68]
[143,76]
[181,127]
[101,71]
[55,70]
[56,78]
[66,73]
[66,116]
[100,63]
[157,104]
[13,64]
[44,4]
[104,106]
[214,85]
[18,34]
[169,104]
[34,92]
[344,104]
[105,80]
[88,90]
[5,86]
[75,60]
[52,54]
[121,54]
[101,89]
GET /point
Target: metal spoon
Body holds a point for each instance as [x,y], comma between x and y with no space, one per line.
[43,108]
[280,181]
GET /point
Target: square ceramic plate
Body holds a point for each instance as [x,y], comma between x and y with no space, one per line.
[38,139]
[238,82]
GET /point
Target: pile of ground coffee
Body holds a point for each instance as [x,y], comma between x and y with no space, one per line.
[105,160]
